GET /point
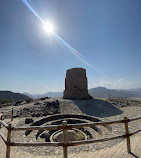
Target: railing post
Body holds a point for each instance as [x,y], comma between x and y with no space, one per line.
[8,141]
[65,139]
[12,112]
[127,135]
[0,118]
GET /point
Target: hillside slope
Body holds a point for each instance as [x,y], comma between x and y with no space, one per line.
[103,92]
[8,95]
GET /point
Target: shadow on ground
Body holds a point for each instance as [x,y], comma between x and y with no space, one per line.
[134,155]
[97,108]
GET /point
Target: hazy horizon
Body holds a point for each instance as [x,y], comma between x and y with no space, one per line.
[63,90]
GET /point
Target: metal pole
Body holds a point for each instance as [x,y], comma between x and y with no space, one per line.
[65,139]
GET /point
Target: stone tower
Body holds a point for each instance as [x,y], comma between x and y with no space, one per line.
[76,84]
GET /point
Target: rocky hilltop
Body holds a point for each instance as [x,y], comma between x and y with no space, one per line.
[52,111]
[8,95]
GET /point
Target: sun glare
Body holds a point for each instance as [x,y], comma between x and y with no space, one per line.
[48,27]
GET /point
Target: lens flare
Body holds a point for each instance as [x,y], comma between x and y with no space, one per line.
[49,28]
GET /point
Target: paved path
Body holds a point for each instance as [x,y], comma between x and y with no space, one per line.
[118,151]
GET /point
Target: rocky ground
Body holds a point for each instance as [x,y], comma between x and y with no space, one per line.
[104,110]
[35,108]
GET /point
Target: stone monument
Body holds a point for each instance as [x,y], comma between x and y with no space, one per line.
[76,84]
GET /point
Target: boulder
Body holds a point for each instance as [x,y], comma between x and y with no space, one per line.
[18,102]
[28,120]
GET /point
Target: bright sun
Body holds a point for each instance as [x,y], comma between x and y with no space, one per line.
[48,27]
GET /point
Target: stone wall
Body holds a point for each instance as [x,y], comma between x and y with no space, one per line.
[76,84]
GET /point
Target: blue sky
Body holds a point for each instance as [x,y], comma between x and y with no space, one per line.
[107,34]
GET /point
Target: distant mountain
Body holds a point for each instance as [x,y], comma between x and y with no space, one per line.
[100,92]
[48,94]
[103,92]
[29,95]
[8,95]
[54,94]
[136,91]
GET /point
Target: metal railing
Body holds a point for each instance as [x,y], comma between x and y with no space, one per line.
[65,127]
